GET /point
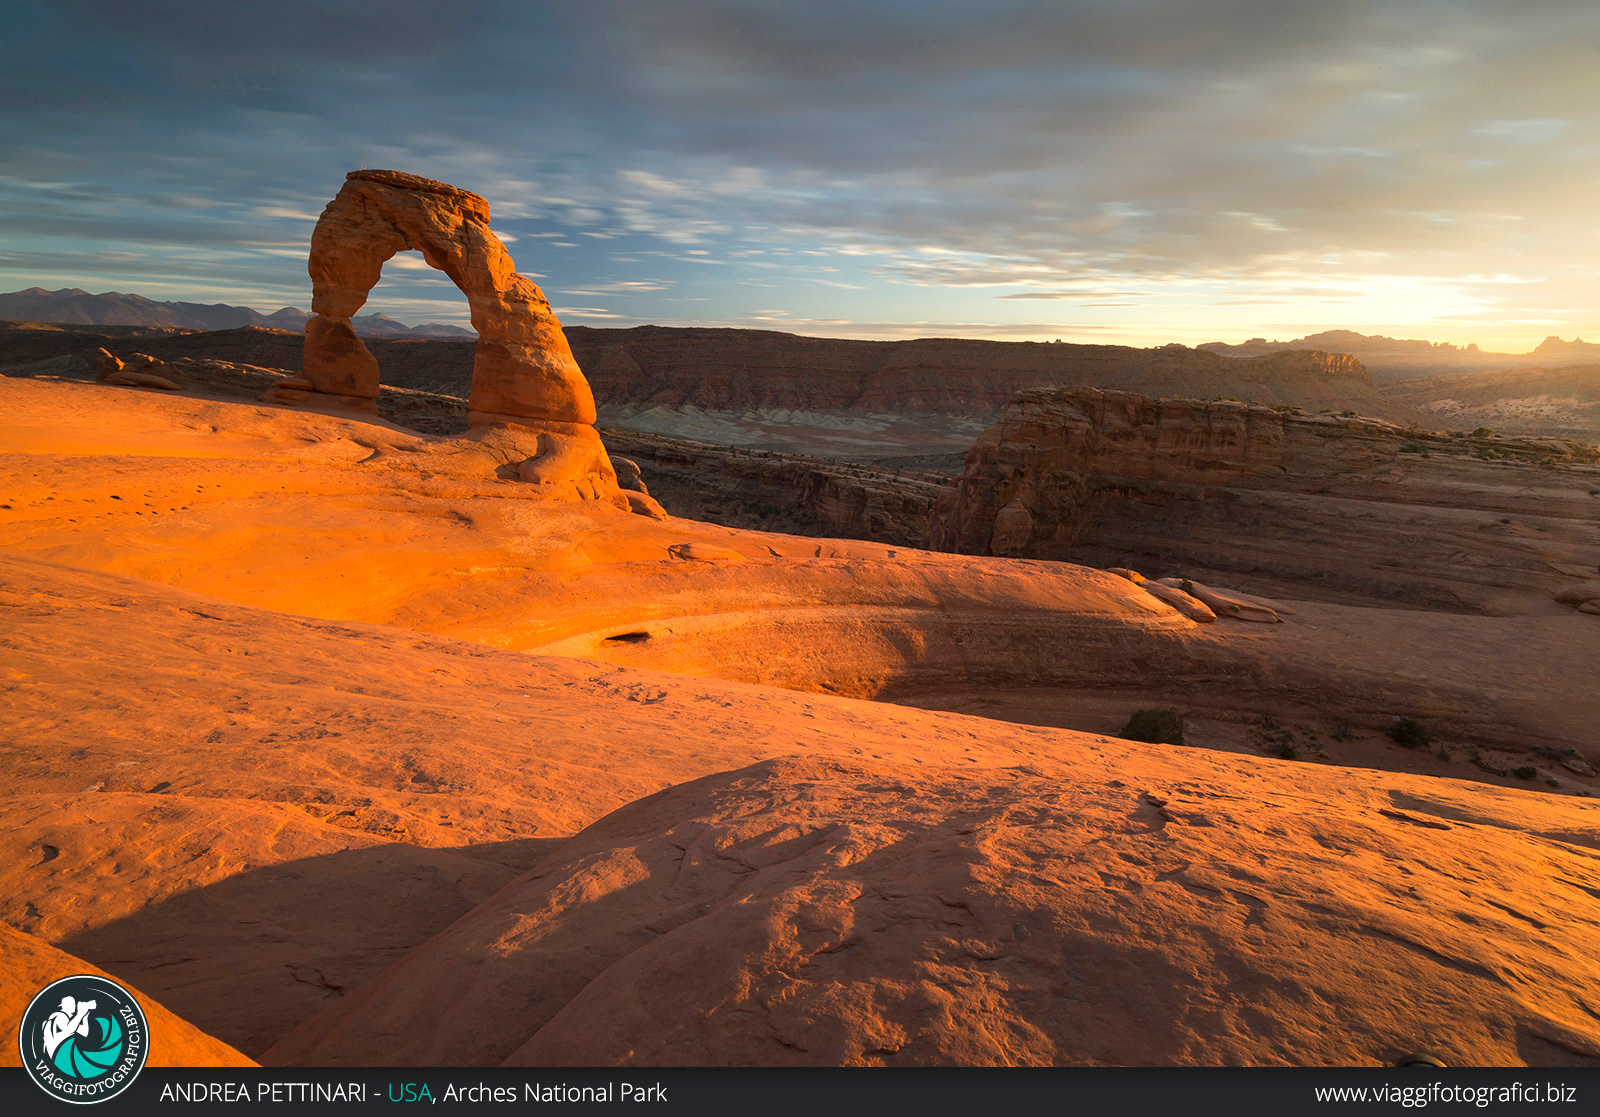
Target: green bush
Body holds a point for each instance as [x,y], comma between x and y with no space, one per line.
[1525,773]
[1159,727]
[1408,733]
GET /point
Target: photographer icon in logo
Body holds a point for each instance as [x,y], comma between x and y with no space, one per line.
[83,1039]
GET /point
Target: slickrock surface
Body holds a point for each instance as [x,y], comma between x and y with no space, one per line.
[1096,902]
[350,520]
[308,835]
[291,696]
[28,964]
[1336,508]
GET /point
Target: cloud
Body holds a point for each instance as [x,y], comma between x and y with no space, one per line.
[1130,151]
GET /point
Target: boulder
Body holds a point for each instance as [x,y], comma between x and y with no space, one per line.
[628,475]
[106,364]
[644,505]
[1190,607]
[1580,594]
[1223,604]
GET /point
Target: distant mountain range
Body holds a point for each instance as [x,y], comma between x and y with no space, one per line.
[1393,358]
[73,306]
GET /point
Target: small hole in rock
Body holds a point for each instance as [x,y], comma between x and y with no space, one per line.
[629,637]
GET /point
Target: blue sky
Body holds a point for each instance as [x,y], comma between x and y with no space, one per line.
[1095,171]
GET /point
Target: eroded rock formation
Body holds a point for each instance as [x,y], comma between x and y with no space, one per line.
[1031,480]
[796,494]
[523,373]
[1343,509]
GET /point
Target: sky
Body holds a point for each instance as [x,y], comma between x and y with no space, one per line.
[1090,170]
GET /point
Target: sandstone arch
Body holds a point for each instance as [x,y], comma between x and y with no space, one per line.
[522,368]
[528,396]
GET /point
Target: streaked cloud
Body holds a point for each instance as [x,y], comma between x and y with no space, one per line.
[1157,170]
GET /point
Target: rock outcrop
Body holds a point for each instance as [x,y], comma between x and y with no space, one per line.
[137,372]
[1027,487]
[28,964]
[1118,907]
[1032,480]
[523,373]
[208,812]
[792,493]
[1335,508]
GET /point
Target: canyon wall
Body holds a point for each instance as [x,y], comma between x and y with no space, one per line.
[755,369]
[790,493]
[1029,483]
[1340,509]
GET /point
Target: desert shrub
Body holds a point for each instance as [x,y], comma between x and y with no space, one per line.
[1483,432]
[1159,727]
[1412,447]
[1409,733]
[1525,773]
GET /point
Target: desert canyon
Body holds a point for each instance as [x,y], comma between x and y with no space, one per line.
[713,697]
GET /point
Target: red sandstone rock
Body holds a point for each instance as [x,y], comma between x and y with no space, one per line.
[645,505]
[628,475]
[106,364]
[522,365]
[1223,604]
[28,964]
[141,380]
[1129,904]
[134,373]
[1190,607]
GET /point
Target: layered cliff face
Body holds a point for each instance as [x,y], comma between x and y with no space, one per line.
[1029,481]
[783,492]
[750,383]
[755,369]
[1323,507]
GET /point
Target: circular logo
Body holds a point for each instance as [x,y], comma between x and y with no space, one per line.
[83,1039]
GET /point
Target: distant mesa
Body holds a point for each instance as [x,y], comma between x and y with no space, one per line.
[1554,346]
[1393,358]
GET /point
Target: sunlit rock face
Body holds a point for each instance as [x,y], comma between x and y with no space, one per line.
[523,374]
